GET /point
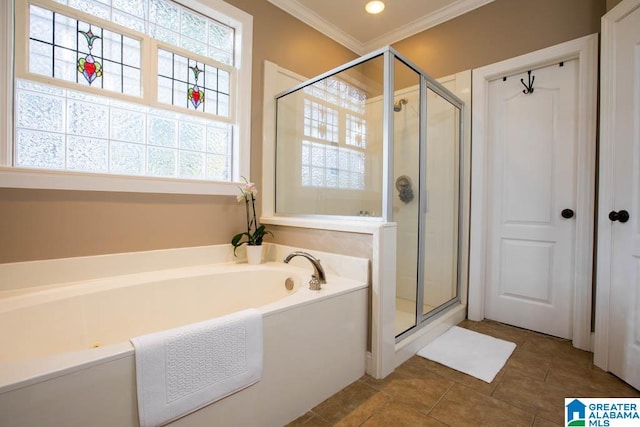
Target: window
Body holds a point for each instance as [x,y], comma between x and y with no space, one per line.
[150,88]
[334,111]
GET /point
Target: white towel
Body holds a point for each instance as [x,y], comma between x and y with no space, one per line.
[181,370]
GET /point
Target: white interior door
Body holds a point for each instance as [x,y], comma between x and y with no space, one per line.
[618,298]
[532,161]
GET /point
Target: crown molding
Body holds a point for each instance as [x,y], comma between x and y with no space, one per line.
[460,7]
[317,22]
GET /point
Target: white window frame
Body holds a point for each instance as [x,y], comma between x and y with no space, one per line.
[18,177]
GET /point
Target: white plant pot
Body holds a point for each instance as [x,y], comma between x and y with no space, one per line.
[254,254]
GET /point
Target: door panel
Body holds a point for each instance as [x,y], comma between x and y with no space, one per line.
[620,190]
[526,268]
[524,199]
[532,178]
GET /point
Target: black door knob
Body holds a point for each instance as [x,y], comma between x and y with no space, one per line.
[567,213]
[622,216]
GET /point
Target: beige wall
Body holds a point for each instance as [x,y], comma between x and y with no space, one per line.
[500,30]
[611,4]
[39,224]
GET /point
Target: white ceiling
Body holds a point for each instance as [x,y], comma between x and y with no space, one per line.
[346,21]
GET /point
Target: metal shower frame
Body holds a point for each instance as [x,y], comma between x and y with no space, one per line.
[389,55]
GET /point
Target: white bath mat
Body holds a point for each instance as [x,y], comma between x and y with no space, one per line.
[183,369]
[467,351]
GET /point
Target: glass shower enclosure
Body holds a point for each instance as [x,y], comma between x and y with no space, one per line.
[379,140]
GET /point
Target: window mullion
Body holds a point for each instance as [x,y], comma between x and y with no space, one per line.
[149,67]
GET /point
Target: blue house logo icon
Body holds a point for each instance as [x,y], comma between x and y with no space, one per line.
[576,413]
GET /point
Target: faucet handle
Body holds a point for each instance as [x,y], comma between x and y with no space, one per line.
[314,283]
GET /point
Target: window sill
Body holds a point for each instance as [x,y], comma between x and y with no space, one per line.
[64,180]
[363,225]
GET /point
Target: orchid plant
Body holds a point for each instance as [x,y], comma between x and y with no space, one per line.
[248,193]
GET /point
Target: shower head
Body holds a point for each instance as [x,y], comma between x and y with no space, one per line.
[397,106]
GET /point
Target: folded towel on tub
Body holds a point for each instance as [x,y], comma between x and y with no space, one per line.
[181,370]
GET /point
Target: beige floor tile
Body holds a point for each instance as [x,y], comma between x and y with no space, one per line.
[589,382]
[529,364]
[364,411]
[528,391]
[419,393]
[317,422]
[400,415]
[308,420]
[541,422]
[344,402]
[532,395]
[544,345]
[462,406]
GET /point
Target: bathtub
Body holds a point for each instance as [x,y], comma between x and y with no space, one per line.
[66,359]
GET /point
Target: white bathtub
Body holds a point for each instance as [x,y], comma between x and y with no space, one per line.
[65,356]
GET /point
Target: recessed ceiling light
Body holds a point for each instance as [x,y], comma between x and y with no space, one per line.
[374,7]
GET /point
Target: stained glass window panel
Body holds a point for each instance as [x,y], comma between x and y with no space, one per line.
[80,52]
[186,83]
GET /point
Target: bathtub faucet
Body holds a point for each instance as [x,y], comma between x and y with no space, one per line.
[318,277]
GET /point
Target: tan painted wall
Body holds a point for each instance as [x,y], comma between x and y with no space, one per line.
[500,30]
[612,3]
[38,224]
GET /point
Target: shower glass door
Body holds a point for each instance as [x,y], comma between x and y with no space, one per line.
[440,246]
[426,161]
[406,200]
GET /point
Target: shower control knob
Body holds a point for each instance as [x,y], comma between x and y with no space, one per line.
[567,213]
[622,216]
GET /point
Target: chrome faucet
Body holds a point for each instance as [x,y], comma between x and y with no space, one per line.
[318,277]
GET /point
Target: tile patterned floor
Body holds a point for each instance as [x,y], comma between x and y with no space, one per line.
[528,391]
